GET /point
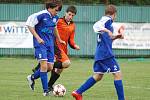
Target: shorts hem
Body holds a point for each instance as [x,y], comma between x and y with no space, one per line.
[106,72]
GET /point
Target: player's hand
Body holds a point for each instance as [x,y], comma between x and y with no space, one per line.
[40,41]
[63,42]
[120,32]
[77,47]
[121,29]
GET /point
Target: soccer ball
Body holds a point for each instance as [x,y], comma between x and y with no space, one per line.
[59,90]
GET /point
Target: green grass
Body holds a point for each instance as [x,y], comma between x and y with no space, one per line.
[13,84]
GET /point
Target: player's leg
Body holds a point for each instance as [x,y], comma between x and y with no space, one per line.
[119,85]
[89,83]
[98,75]
[36,73]
[44,76]
[41,55]
[117,78]
[77,94]
[59,65]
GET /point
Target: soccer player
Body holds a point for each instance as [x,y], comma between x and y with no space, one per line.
[43,27]
[105,61]
[66,30]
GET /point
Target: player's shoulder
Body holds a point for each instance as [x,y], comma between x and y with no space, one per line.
[45,13]
[60,21]
[42,12]
[105,18]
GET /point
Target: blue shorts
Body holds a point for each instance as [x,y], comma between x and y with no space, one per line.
[45,53]
[107,65]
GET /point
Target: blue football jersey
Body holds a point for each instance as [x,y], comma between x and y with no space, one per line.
[104,42]
[44,24]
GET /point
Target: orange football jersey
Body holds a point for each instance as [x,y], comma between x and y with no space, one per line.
[67,33]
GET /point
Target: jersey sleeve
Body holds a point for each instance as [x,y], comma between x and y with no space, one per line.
[98,26]
[32,20]
[71,40]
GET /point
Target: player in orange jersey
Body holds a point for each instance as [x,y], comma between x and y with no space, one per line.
[66,30]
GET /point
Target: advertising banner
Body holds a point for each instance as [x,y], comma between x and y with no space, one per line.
[15,35]
[136,36]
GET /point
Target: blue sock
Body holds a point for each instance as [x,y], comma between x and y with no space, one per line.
[89,83]
[36,74]
[119,88]
[44,81]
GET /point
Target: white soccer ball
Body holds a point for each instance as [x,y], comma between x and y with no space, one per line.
[59,90]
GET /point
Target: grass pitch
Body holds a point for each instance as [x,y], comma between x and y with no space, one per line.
[13,83]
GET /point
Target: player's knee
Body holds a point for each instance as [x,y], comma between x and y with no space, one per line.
[49,66]
[66,64]
[97,77]
[117,76]
[43,66]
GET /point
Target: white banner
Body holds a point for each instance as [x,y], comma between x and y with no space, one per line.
[15,35]
[136,36]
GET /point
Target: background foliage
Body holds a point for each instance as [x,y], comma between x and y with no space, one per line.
[116,2]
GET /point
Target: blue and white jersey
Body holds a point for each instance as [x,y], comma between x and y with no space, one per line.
[44,24]
[104,42]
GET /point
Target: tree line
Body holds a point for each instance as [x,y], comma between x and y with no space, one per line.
[86,2]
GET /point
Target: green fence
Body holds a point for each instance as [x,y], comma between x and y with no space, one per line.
[84,20]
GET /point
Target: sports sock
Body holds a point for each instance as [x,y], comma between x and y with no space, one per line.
[119,88]
[44,80]
[36,74]
[53,78]
[89,83]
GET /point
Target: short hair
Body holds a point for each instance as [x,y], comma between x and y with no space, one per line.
[110,9]
[72,9]
[53,3]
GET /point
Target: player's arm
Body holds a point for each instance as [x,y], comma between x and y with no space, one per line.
[71,41]
[118,36]
[32,30]
[31,22]
[57,36]
[107,31]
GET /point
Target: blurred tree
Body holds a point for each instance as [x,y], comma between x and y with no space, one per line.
[116,2]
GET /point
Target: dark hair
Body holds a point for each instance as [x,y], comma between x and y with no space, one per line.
[71,9]
[110,10]
[53,3]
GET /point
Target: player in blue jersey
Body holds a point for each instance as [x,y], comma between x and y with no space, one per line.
[104,58]
[43,27]
[66,30]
